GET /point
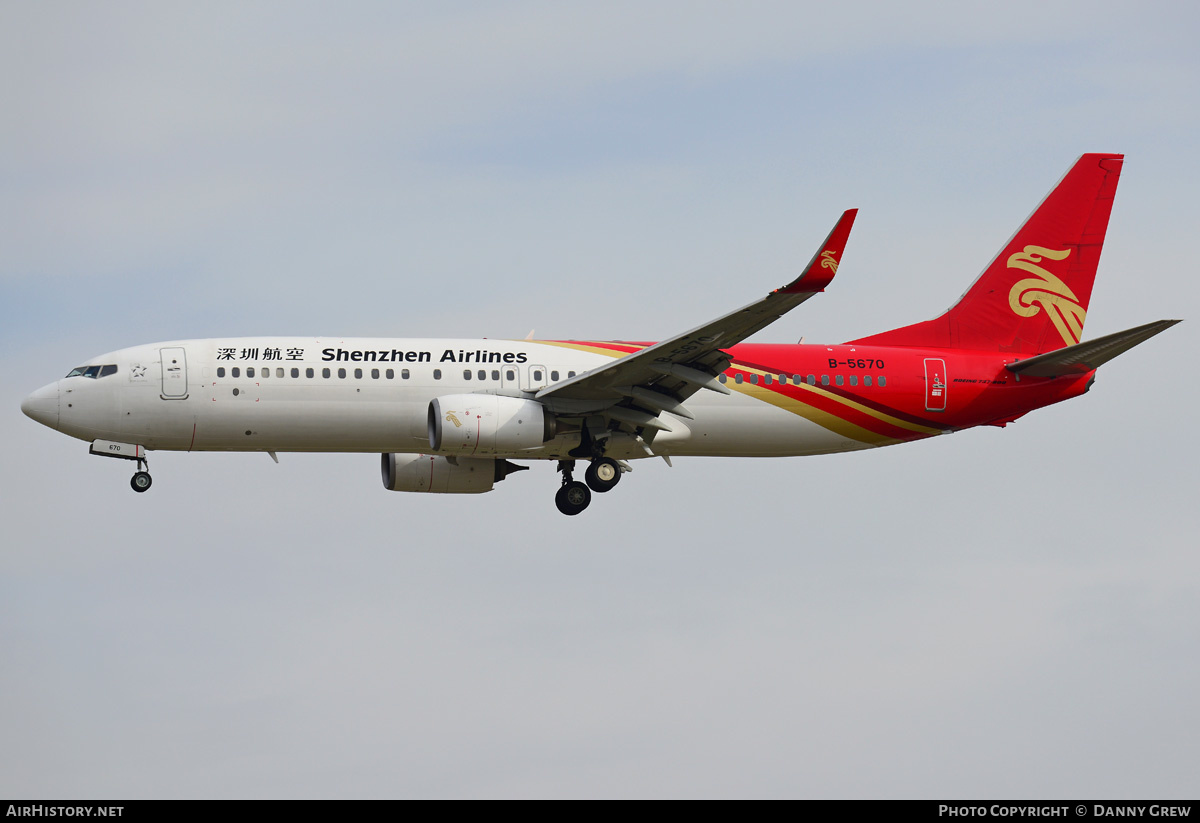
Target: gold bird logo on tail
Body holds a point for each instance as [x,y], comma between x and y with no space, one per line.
[1053,295]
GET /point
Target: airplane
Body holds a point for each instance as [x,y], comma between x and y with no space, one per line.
[451,416]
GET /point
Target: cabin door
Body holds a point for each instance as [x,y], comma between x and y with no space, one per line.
[174,374]
[935,384]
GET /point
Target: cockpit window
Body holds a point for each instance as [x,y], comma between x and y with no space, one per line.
[93,371]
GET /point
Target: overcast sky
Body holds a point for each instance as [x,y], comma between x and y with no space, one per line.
[996,613]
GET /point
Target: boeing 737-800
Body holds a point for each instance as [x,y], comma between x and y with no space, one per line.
[452,415]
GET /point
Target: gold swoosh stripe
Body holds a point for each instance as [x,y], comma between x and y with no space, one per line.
[587,347]
[822,418]
[828,395]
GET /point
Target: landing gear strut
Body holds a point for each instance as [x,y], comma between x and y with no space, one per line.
[574,496]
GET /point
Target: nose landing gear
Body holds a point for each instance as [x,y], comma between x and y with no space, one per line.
[141,481]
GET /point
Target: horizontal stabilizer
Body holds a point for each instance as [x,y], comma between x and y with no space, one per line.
[1083,357]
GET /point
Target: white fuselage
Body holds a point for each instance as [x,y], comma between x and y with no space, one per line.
[372,395]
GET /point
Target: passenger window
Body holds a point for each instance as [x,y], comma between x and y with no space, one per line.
[754,379]
[249,371]
[554,376]
[721,377]
[824,380]
[738,378]
[279,371]
[797,379]
[510,375]
[783,379]
[812,380]
[482,374]
[537,376]
[495,374]
[853,380]
[390,374]
[265,372]
[374,374]
[295,372]
[309,373]
[466,374]
[220,371]
[404,374]
[767,379]
[866,379]
[840,380]
[882,380]
[236,372]
[570,374]
[325,372]
[342,374]
[437,374]
[358,374]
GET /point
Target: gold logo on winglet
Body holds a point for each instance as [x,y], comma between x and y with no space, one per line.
[1060,303]
[828,261]
[450,418]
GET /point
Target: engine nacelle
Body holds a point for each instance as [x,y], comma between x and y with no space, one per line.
[481,424]
[434,473]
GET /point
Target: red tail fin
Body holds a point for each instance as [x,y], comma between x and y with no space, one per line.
[1033,296]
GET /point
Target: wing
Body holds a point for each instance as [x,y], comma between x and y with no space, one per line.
[636,388]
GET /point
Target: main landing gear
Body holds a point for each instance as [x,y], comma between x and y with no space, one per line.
[573,497]
[602,474]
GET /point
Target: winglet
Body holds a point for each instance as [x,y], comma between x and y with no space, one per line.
[821,269]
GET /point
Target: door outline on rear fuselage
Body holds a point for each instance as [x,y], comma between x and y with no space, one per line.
[935,384]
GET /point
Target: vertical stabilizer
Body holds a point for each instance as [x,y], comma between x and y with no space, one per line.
[1033,296]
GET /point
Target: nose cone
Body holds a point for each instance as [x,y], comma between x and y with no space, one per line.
[42,405]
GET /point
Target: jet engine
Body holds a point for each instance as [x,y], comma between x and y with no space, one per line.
[434,473]
[483,424]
